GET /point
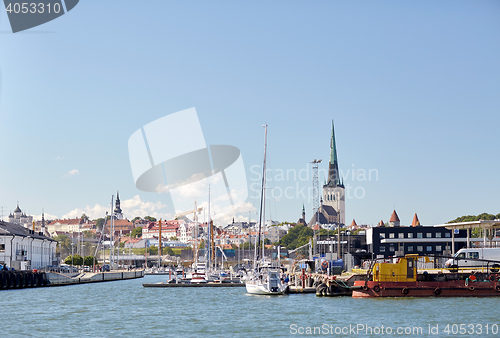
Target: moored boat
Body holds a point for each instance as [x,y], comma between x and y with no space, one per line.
[199,273]
[265,279]
[400,279]
[266,282]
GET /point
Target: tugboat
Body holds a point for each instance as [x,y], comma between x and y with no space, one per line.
[400,279]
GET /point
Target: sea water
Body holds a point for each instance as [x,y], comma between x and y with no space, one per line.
[126,308]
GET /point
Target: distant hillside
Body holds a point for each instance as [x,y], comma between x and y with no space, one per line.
[470,218]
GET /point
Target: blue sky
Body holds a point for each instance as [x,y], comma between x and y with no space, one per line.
[413,88]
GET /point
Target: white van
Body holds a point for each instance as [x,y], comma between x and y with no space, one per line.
[465,258]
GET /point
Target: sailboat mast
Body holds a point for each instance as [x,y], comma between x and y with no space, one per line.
[195,237]
[111,230]
[207,244]
[159,243]
[261,196]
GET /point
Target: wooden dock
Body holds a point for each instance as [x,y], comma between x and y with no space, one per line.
[298,289]
[193,285]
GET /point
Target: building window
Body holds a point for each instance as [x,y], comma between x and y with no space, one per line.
[2,247]
[391,235]
[410,235]
[420,248]
[382,248]
[429,248]
[447,235]
[401,235]
[410,248]
[391,248]
[448,247]
[438,248]
[419,235]
[382,235]
[429,235]
[438,235]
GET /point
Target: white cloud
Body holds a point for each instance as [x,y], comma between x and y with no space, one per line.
[46,216]
[136,207]
[222,214]
[58,158]
[72,173]
[96,211]
[130,207]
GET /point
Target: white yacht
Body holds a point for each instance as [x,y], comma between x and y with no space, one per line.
[265,282]
[199,273]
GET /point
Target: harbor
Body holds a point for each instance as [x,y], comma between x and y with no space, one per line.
[250,169]
[127,302]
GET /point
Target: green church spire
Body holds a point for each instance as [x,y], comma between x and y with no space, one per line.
[333,172]
[333,148]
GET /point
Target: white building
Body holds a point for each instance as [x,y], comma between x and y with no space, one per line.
[66,225]
[186,232]
[23,249]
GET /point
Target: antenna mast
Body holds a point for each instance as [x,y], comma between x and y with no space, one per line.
[315,196]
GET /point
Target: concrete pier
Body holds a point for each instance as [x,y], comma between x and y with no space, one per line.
[58,279]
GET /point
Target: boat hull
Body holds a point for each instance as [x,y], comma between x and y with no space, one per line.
[456,288]
[260,289]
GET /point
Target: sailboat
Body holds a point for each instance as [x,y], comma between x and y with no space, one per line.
[265,279]
[198,275]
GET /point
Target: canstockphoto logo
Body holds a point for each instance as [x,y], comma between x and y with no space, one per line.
[170,155]
[28,14]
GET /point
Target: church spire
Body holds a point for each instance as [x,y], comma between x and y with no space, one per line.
[333,172]
[118,210]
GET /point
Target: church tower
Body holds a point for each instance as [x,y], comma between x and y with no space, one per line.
[333,190]
[18,213]
[118,211]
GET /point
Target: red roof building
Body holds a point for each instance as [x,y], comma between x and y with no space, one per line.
[394,221]
[415,222]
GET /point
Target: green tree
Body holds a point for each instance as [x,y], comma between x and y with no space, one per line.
[64,241]
[149,218]
[89,234]
[137,232]
[471,218]
[174,238]
[75,260]
[84,217]
[99,223]
[153,250]
[135,219]
[296,236]
[245,245]
[476,232]
[168,251]
[89,260]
